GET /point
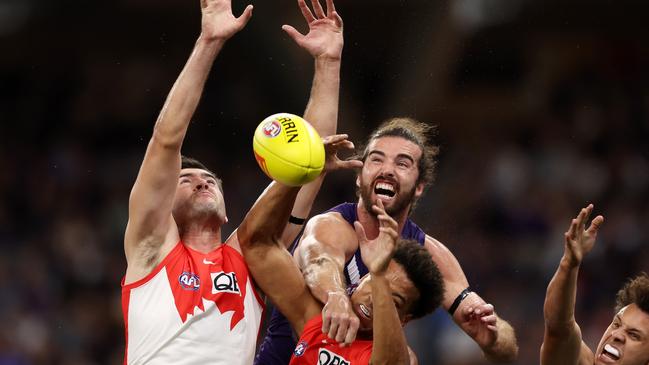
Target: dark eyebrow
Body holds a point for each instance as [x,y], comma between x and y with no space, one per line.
[403,299]
[375,152]
[204,174]
[408,157]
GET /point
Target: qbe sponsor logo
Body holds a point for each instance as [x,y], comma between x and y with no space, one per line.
[225,282]
[300,348]
[326,357]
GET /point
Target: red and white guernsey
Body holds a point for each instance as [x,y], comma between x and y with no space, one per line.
[193,308]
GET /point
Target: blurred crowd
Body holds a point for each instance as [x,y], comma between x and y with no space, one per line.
[540,111]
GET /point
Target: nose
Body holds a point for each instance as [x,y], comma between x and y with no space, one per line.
[387,169]
[618,335]
[202,184]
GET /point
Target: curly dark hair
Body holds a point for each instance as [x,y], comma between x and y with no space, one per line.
[423,272]
[192,163]
[635,291]
[416,132]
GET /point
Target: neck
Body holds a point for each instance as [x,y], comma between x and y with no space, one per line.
[371,223]
[201,237]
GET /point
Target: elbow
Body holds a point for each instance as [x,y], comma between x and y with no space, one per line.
[167,139]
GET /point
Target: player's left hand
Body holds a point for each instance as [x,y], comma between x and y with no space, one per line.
[218,22]
[480,322]
[332,145]
[325,37]
[376,254]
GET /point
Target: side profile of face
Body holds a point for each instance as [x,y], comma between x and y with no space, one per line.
[626,340]
[390,173]
[404,294]
[198,196]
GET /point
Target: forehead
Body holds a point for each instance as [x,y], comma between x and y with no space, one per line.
[194,172]
[400,283]
[393,146]
[633,316]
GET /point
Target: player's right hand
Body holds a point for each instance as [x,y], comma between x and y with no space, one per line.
[339,321]
[325,37]
[579,241]
[218,22]
[332,145]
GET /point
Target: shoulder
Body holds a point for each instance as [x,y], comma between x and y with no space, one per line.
[329,223]
[437,249]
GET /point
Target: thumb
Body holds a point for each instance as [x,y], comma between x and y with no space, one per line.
[360,232]
[245,16]
[293,33]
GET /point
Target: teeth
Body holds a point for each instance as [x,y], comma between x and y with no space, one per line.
[365,311]
[612,350]
[384,186]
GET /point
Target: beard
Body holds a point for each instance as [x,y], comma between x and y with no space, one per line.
[194,209]
[401,201]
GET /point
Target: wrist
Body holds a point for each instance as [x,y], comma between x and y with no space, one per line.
[569,263]
[328,62]
[205,40]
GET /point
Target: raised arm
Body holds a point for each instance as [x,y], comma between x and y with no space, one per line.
[390,346]
[327,242]
[324,42]
[562,342]
[151,201]
[471,313]
[270,264]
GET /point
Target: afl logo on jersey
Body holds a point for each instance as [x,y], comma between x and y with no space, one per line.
[189,281]
[225,282]
[300,348]
[272,129]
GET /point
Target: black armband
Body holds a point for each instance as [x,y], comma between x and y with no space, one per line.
[460,297]
[296,220]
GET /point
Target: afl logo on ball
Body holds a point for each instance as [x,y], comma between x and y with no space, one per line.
[300,348]
[189,281]
[272,129]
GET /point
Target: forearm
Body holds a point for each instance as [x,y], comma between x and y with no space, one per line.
[322,108]
[390,346]
[266,219]
[559,307]
[505,349]
[184,96]
[324,277]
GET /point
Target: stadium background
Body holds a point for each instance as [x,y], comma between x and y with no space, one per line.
[542,107]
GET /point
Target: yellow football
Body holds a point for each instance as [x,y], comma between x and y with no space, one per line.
[288,149]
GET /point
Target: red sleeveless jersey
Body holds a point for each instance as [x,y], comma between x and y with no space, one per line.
[315,348]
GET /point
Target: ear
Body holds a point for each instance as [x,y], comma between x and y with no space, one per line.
[358,180]
[419,190]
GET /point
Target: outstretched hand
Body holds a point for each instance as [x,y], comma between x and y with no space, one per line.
[325,36]
[579,240]
[332,145]
[479,321]
[376,254]
[218,22]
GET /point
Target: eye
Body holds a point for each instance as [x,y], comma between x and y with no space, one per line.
[615,325]
[183,181]
[211,182]
[634,336]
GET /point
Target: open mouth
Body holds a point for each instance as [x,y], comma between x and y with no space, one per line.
[611,352]
[384,190]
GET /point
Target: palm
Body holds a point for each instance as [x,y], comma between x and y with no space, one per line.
[324,39]
[325,36]
[579,240]
[218,22]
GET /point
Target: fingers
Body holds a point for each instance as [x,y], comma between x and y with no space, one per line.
[337,19]
[245,16]
[331,8]
[326,322]
[349,164]
[317,9]
[351,331]
[595,224]
[306,12]
[334,139]
[293,33]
